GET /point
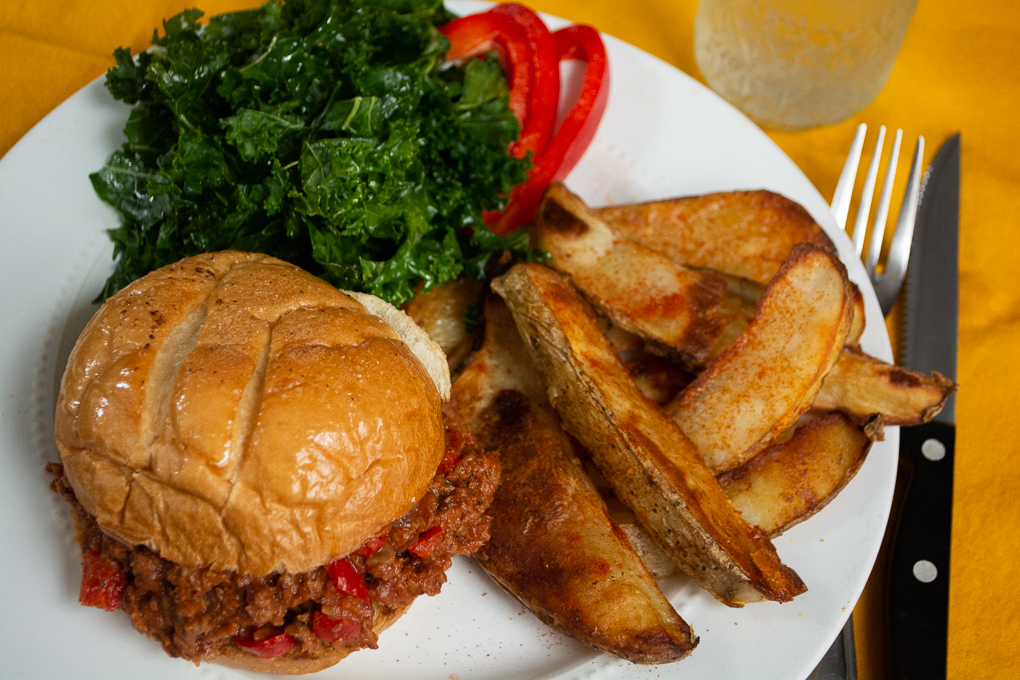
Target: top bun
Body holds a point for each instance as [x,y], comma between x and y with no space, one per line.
[233,411]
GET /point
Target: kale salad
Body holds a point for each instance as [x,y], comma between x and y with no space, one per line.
[331,134]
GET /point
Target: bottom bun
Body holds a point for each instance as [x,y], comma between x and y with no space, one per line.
[238,658]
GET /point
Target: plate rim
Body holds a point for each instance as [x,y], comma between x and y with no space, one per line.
[58,301]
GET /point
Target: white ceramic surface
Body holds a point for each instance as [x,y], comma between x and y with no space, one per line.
[663,135]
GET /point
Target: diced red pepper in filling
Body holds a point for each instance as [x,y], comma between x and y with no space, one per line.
[371,546]
[335,630]
[267,648]
[102,581]
[454,449]
[347,579]
[477,34]
[537,130]
[427,543]
[574,134]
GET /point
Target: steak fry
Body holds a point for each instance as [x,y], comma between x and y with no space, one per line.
[692,313]
[788,482]
[767,379]
[553,545]
[861,385]
[689,311]
[654,469]
[741,233]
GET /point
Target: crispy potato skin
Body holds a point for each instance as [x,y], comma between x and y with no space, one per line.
[861,385]
[741,233]
[687,311]
[745,234]
[853,337]
[653,467]
[768,378]
[553,545]
[790,481]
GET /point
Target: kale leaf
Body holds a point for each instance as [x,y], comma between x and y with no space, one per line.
[324,132]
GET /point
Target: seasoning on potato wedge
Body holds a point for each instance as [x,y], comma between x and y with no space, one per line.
[768,378]
[792,480]
[553,545]
[654,468]
[689,311]
[861,385]
[742,233]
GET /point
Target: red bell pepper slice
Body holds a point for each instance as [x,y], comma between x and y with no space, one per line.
[371,546]
[427,543]
[102,581]
[583,43]
[574,134]
[334,630]
[537,129]
[267,648]
[347,579]
[480,33]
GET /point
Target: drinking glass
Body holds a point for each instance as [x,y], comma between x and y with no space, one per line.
[794,64]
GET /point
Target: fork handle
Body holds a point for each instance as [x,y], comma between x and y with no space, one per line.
[919,578]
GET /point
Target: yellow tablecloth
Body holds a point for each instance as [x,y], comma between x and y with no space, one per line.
[959,70]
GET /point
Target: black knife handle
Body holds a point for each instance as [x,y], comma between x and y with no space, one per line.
[919,594]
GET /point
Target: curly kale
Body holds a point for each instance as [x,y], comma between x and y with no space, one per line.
[328,134]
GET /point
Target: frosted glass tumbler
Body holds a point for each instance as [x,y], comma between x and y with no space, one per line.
[794,64]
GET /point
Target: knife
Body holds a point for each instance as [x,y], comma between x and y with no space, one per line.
[919,575]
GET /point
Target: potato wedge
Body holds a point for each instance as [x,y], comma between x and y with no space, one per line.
[695,313]
[684,310]
[853,338]
[861,385]
[744,234]
[741,233]
[553,545]
[655,470]
[440,312]
[658,378]
[788,482]
[768,378]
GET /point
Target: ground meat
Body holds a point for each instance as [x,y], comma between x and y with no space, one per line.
[195,613]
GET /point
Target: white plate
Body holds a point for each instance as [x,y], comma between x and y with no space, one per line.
[663,135]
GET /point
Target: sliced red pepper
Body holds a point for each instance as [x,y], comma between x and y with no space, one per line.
[269,647]
[537,129]
[335,630]
[347,579]
[102,581]
[574,134]
[583,43]
[427,543]
[477,34]
[371,546]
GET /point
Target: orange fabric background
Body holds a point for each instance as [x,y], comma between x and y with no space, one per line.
[958,70]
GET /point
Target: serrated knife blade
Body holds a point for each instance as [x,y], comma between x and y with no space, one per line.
[919,576]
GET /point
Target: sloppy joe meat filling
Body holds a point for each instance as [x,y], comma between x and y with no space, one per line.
[198,613]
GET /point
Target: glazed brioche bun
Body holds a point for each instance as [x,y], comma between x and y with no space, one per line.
[233,411]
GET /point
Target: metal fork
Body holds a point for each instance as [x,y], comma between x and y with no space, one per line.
[888,282]
[840,661]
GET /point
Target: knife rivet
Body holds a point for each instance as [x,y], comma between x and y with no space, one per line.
[933,450]
[925,571]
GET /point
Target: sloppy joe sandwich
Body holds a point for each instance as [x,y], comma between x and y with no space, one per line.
[259,469]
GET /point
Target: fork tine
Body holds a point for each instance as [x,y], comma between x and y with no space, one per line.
[882,212]
[840,205]
[899,249]
[867,192]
